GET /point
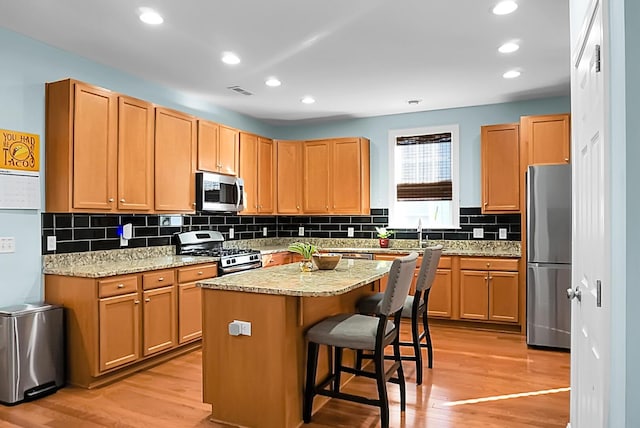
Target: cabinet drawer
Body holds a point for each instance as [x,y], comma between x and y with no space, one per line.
[159,278]
[276,259]
[117,286]
[197,272]
[488,264]
[444,263]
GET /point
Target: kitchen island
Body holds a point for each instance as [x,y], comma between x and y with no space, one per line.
[257,380]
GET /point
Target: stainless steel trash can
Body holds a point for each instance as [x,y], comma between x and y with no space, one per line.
[31,351]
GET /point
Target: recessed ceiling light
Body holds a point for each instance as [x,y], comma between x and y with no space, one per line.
[509,47]
[230,58]
[412,102]
[308,100]
[273,82]
[150,16]
[505,7]
[511,74]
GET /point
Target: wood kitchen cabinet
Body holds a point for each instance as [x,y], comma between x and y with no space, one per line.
[500,155]
[190,300]
[289,177]
[218,148]
[99,150]
[175,161]
[440,296]
[336,176]
[276,259]
[546,138]
[489,289]
[118,324]
[257,160]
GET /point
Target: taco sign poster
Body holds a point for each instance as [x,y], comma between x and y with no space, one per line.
[20,151]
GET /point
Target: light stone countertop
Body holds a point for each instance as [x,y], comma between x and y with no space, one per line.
[100,264]
[287,279]
[510,249]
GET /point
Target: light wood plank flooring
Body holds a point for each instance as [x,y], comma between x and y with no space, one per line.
[469,364]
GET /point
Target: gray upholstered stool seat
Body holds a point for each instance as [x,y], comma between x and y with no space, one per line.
[352,331]
[413,307]
[363,333]
[371,305]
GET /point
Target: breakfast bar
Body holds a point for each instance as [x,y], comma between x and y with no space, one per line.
[256,380]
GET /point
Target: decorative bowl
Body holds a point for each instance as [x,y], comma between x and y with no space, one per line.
[327,261]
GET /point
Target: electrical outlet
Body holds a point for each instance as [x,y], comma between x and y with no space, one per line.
[301,231]
[350,232]
[264,231]
[51,243]
[502,233]
[231,233]
[238,328]
[478,232]
[8,245]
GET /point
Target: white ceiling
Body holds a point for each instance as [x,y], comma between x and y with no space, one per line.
[356,57]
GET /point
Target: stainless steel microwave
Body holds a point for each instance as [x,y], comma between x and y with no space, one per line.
[217,192]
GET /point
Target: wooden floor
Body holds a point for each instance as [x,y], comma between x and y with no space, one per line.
[469,364]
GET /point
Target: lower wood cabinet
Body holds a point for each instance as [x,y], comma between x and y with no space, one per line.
[489,289]
[117,322]
[119,331]
[440,297]
[276,259]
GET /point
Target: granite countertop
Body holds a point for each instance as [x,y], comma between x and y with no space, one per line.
[289,281]
[510,249]
[100,264]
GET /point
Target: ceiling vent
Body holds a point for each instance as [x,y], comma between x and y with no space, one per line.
[239,90]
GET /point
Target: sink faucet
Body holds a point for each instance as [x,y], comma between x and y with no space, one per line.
[419,232]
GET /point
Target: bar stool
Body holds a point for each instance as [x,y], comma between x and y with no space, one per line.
[414,307]
[363,332]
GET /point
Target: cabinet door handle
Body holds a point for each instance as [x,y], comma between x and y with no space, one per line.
[136,302]
[110,199]
[193,203]
[298,207]
[161,279]
[147,299]
[122,200]
[488,264]
[200,273]
[566,159]
[486,203]
[120,285]
[490,278]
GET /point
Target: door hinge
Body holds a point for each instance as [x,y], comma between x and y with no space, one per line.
[598,293]
[597,58]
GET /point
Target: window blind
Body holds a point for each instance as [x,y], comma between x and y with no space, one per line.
[424,167]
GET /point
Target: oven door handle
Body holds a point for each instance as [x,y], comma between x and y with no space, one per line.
[240,268]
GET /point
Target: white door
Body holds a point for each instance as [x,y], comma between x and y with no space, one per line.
[591,248]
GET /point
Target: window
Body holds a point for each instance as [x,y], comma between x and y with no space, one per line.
[424,187]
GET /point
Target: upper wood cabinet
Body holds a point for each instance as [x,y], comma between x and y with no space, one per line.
[289,176]
[546,138]
[258,173]
[336,176]
[99,151]
[175,161]
[218,148]
[135,155]
[499,148]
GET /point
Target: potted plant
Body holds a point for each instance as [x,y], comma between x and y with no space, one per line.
[306,250]
[383,236]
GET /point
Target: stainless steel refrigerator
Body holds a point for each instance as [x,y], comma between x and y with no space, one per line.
[548,255]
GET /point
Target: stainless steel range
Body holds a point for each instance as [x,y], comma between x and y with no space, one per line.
[209,243]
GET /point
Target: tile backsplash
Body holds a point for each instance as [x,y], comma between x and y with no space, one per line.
[92,232]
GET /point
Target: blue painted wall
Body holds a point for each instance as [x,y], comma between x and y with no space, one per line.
[470,119]
[29,64]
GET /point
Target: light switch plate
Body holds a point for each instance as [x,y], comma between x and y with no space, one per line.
[350,232]
[478,232]
[264,231]
[51,243]
[301,231]
[231,233]
[8,245]
[502,233]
